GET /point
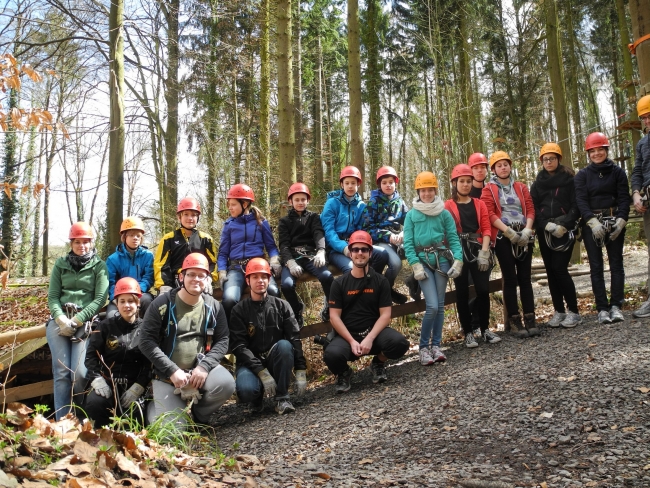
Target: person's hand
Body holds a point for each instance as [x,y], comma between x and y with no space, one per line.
[197,379]
[619,225]
[66,327]
[365,346]
[223,277]
[301,382]
[268,382]
[559,231]
[294,268]
[276,266]
[455,270]
[597,229]
[550,227]
[511,235]
[396,239]
[483,260]
[180,378]
[418,272]
[208,285]
[134,392]
[356,348]
[188,393]
[319,260]
[525,236]
[638,202]
[101,387]
[346,252]
[164,289]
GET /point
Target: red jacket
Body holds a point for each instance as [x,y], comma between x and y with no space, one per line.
[490,197]
[485,228]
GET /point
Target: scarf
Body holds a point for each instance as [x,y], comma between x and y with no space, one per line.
[78,262]
[432,209]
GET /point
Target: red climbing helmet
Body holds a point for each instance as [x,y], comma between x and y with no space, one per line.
[386,171]
[360,237]
[350,171]
[596,139]
[81,230]
[196,260]
[461,170]
[188,203]
[241,192]
[298,188]
[258,265]
[476,159]
[127,285]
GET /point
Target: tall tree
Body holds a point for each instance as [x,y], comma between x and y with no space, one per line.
[373,31]
[354,88]
[287,140]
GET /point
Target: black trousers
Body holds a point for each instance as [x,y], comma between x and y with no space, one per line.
[559,280]
[481,280]
[515,273]
[597,269]
[389,342]
[100,409]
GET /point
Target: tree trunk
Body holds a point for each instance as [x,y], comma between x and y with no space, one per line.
[514,119]
[318,115]
[641,27]
[10,204]
[286,136]
[572,79]
[172,90]
[36,232]
[26,207]
[297,95]
[330,157]
[265,100]
[373,85]
[354,88]
[235,139]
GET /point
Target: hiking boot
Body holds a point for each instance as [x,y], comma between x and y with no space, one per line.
[643,311]
[490,337]
[437,355]
[414,287]
[604,318]
[556,320]
[343,381]
[470,341]
[398,297]
[616,315]
[425,357]
[284,406]
[572,319]
[378,372]
[325,313]
[258,405]
[298,315]
[531,326]
[516,327]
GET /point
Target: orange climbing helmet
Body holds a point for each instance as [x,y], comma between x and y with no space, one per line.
[81,230]
[127,285]
[497,156]
[258,265]
[550,148]
[386,171]
[132,223]
[426,179]
[643,106]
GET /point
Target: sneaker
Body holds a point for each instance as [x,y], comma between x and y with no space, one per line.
[378,372]
[284,406]
[425,357]
[437,355]
[470,341]
[490,337]
[572,319]
[414,287]
[604,318]
[556,320]
[398,297]
[325,313]
[616,315]
[343,381]
[642,312]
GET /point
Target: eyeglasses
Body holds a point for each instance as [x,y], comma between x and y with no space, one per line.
[645,118]
[362,250]
[198,277]
[549,160]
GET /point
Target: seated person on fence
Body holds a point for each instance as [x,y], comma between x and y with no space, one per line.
[360,312]
[131,259]
[302,248]
[265,339]
[118,372]
[185,336]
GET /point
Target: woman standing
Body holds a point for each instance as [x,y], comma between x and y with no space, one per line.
[78,290]
[556,216]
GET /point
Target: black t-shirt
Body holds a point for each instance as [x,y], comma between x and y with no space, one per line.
[476,192]
[359,313]
[468,218]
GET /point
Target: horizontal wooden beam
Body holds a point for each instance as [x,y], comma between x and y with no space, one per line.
[22,335]
[27,391]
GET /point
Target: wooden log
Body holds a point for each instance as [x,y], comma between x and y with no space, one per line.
[19,393]
[21,335]
[16,354]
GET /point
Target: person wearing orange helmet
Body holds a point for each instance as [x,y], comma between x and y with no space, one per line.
[265,339]
[77,292]
[175,246]
[116,367]
[360,313]
[245,235]
[478,162]
[185,336]
[131,258]
[302,248]
[603,198]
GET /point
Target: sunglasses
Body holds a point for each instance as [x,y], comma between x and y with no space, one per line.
[362,250]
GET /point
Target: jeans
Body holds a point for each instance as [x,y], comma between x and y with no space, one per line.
[394,262]
[389,342]
[288,283]
[280,365]
[560,282]
[596,266]
[145,300]
[234,287]
[378,260]
[68,369]
[481,281]
[433,289]
[515,273]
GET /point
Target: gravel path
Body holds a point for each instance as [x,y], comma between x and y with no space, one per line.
[569,408]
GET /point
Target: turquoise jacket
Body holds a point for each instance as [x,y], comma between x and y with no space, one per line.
[422,230]
[86,288]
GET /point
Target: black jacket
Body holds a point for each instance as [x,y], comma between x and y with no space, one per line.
[256,326]
[555,199]
[300,230]
[115,340]
[158,333]
[641,172]
[601,186]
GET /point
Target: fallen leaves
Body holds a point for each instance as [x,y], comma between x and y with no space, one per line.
[568,380]
[643,389]
[546,415]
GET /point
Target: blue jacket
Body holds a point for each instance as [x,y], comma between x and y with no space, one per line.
[243,238]
[380,213]
[340,218]
[121,264]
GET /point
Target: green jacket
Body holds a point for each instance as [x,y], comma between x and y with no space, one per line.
[425,230]
[87,288]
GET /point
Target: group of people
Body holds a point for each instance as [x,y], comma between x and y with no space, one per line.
[176,342]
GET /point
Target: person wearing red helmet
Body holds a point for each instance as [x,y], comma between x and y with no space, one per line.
[175,246]
[360,313]
[603,198]
[245,235]
[265,339]
[185,336]
[478,162]
[302,248]
[78,290]
[118,372]
[474,229]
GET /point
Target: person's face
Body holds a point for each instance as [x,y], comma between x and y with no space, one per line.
[597,155]
[259,282]
[464,185]
[81,246]
[387,185]
[133,238]
[350,185]
[299,201]
[127,305]
[480,172]
[360,254]
[645,119]
[502,169]
[427,195]
[550,162]
[189,218]
[235,208]
[194,280]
